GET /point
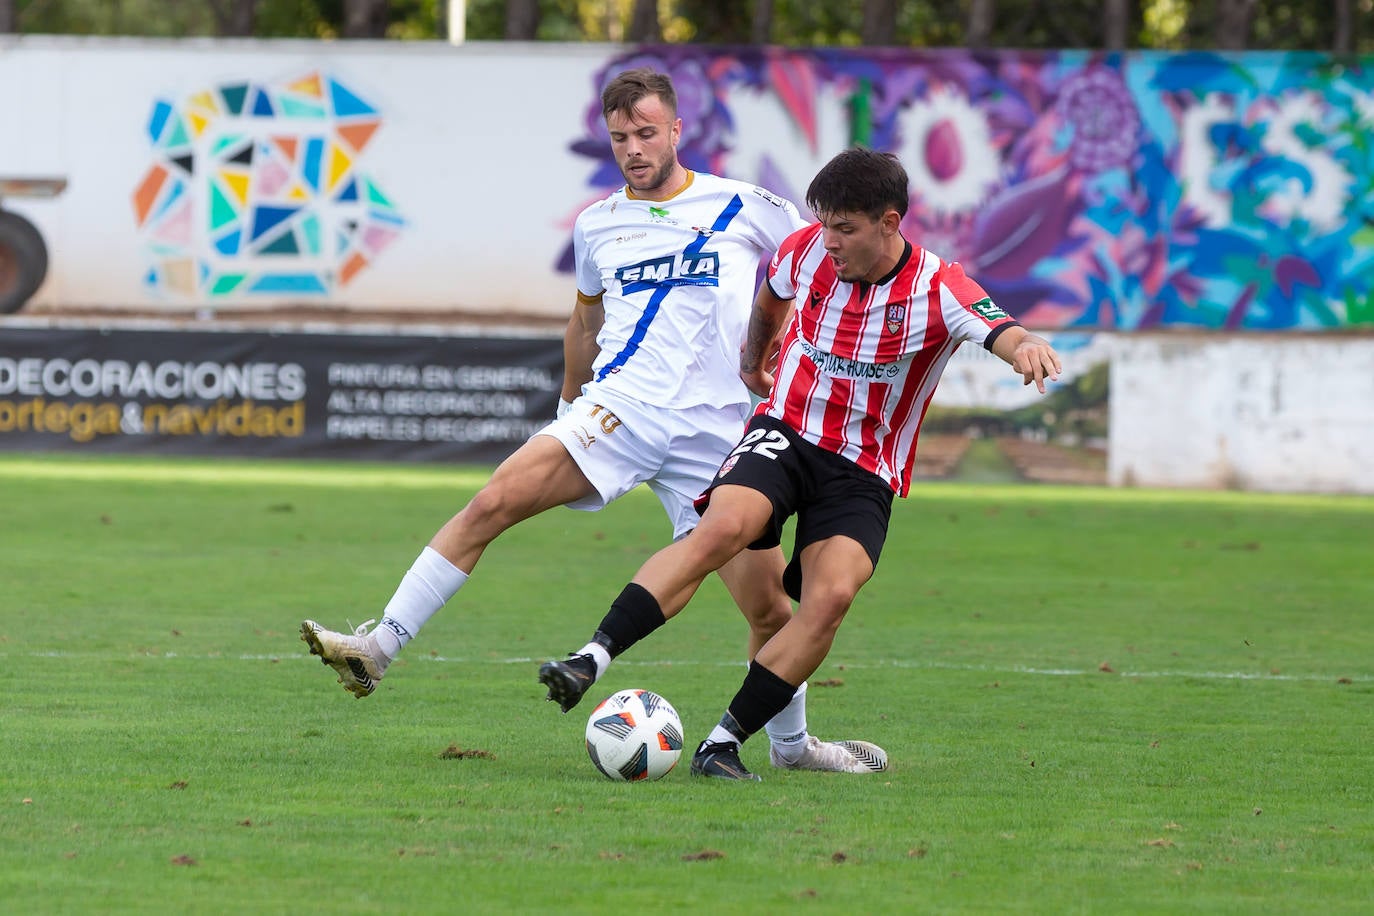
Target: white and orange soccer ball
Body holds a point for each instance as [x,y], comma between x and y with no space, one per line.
[633,735]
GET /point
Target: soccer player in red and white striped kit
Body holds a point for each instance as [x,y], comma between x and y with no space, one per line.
[875,321]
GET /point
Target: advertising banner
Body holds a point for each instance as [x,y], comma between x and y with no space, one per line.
[260,394]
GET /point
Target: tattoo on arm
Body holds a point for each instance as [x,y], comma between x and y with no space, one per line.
[762,330]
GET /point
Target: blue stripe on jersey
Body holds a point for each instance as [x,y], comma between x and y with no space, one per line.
[661,292]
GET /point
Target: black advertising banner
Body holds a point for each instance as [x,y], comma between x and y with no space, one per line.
[256,394]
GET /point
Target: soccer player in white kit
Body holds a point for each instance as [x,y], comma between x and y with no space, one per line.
[666,268]
[875,321]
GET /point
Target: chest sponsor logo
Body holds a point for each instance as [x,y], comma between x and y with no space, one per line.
[842,367]
[985,309]
[699,269]
[660,215]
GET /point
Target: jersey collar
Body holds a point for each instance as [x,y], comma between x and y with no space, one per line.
[691,176]
[891,275]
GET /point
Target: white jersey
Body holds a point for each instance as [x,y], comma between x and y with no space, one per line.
[677,279]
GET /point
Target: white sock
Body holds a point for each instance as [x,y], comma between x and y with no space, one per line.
[721,735]
[427,586]
[599,655]
[787,730]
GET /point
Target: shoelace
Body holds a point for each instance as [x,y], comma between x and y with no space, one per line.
[361,630]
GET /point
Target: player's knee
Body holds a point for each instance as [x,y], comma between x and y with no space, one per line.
[491,509]
[767,617]
[826,603]
[719,540]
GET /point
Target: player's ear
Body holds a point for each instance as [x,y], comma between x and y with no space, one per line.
[891,222]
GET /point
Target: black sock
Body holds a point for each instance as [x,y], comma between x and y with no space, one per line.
[633,616]
[761,697]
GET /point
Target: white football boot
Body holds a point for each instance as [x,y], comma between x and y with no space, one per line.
[359,661]
[835,757]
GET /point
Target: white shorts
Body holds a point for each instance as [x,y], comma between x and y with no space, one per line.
[620,444]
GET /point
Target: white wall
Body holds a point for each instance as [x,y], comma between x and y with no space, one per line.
[463,159]
[1284,413]
[473,150]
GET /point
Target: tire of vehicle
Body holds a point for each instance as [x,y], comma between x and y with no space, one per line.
[23,261]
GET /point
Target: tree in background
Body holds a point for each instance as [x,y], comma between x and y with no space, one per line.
[879,26]
[1343,42]
[365,18]
[1232,24]
[1116,24]
[981,16]
[761,29]
[644,27]
[1342,26]
[522,20]
[234,18]
[720,22]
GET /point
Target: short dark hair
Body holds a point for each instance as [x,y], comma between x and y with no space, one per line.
[631,87]
[859,180]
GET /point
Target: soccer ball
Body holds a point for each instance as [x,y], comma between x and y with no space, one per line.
[634,734]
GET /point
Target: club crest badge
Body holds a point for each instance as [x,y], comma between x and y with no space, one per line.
[896,316]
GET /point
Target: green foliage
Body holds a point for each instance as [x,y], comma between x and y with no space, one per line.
[800,23]
[559,20]
[1095,702]
[486,20]
[299,19]
[1159,24]
[153,18]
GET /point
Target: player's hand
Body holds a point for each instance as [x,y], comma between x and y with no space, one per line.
[758,377]
[1036,361]
[759,381]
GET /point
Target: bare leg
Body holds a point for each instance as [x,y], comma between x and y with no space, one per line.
[734,519]
[754,580]
[833,572]
[537,477]
[661,588]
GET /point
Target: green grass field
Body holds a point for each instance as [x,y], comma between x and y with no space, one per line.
[1094,702]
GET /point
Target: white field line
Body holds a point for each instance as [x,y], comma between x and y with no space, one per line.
[669,663]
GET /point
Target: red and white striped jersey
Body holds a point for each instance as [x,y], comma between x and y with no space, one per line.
[860,361]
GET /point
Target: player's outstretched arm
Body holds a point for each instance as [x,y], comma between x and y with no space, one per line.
[758,357]
[1029,355]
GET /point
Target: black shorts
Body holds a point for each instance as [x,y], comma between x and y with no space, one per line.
[828,494]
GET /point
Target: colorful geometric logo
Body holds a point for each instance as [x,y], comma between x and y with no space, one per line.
[255,190]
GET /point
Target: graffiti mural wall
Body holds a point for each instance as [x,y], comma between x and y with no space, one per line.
[257,188]
[1083,191]
[1086,192]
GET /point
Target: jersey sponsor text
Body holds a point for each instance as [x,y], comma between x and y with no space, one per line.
[841,367]
[690,269]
